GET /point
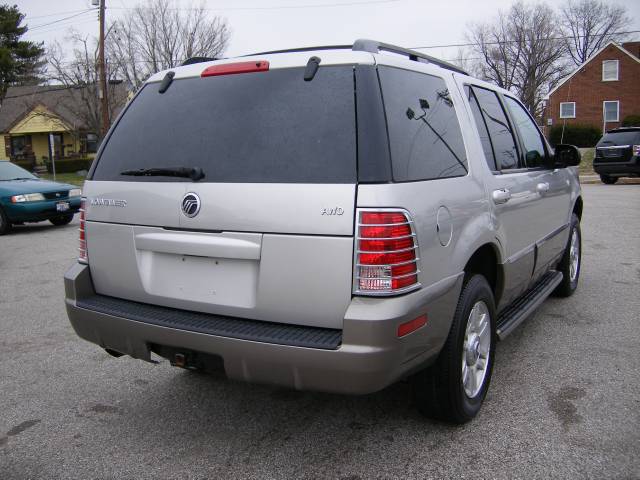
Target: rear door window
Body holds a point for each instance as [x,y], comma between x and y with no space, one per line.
[531,137]
[424,134]
[481,124]
[264,127]
[502,137]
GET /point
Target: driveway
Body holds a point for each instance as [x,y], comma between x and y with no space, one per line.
[564,400]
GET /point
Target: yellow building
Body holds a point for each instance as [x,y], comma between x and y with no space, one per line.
[41,123]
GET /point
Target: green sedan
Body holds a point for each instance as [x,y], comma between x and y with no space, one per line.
[27,198]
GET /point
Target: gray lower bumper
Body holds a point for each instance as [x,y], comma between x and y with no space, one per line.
[370,357]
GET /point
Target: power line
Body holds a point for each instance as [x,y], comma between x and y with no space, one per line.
[53,28]
[31,17]
[277,7]
[515,41]
[31,29]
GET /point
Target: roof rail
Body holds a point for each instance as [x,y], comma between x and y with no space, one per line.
[374,46]
[302,49]
[192,60]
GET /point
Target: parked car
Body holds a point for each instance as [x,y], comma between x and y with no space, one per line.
[618,154]
[334,219]
[26,198]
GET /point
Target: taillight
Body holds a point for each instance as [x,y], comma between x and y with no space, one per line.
[234,68]
[636,150]
[82,256]
[386,253]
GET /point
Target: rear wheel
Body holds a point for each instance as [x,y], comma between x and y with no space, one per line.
[608,180]
[454,388]
[571,261]
[5,224]
[63,220]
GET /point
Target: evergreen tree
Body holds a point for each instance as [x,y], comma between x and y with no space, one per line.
[21,61]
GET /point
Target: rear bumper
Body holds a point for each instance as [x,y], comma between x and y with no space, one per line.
[618,169]
[38,211]
[369,357]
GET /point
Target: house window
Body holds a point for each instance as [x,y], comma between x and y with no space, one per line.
[567,109]
[610,70]
[611,110]
[20,146]
[92,143]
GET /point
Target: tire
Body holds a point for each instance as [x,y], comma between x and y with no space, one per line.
[5,224]
[439,391]
[569,277]
[63,220]
[608,180]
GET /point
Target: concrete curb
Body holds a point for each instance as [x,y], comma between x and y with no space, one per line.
[595,179]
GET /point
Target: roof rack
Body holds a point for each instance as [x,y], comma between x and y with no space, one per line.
[374,46]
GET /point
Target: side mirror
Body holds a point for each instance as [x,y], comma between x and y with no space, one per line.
[566,156]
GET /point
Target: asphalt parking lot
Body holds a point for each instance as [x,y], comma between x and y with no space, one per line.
[564,400]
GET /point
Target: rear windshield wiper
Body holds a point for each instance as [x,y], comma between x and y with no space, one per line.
[194,173]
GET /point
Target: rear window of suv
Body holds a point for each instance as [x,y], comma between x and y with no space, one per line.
[629,137]
[265,127]
[424,133]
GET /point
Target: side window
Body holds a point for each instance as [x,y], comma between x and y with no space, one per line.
[502,138]
[531,137]
[424,133]
[482,129]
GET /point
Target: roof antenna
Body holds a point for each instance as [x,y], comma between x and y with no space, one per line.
[166,81]
[311,69]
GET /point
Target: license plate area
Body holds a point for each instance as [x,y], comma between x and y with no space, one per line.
[216,281]
[62,206]
[612,152]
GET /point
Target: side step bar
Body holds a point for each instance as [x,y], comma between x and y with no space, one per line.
[524,305]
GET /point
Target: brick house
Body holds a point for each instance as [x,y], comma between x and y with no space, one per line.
[601,92]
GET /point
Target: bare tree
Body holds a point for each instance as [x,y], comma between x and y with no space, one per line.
[588,25]
[462,59]
[499,49]
[520,51]
[78,77]
[157,35]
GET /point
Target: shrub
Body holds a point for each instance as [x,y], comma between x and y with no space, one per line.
[583,136]
[70,165]
[631,121]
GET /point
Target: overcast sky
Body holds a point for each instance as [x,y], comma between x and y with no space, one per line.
[259,25]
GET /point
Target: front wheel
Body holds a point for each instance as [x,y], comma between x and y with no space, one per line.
[608,180]
[571,261]
[454,388]
[62,220]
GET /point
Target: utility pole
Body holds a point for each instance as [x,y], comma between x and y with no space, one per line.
[103,74]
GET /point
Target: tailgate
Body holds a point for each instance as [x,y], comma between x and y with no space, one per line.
[230,259]
[267,234]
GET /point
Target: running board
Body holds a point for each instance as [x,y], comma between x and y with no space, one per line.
[525,304]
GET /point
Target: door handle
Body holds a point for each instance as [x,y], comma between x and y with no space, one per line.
[542,188]
[501,196]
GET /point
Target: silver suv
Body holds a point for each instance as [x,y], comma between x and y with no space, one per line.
[332,219]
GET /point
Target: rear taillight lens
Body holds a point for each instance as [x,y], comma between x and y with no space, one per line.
[82,256]
[636,150]
[386,253]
